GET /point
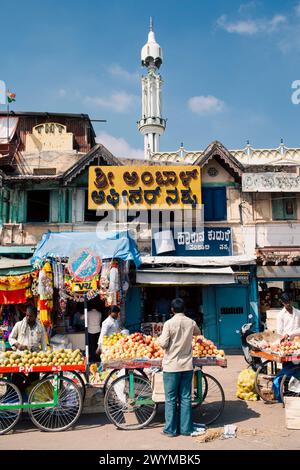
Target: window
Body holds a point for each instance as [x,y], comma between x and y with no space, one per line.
[38,206]
[215,204]
[284,206]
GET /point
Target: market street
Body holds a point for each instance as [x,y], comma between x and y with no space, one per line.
[260,426]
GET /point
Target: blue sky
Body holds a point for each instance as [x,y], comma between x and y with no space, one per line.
[228,67]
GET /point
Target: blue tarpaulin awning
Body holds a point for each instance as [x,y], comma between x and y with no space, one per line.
[104,244]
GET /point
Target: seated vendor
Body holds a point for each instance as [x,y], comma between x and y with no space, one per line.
[28,333]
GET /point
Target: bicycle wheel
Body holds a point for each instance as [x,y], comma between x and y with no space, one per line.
[76,377]
[113,375]
[264,381]
[212,403]
[285,383]
[130,412]
[62,416]
[195,398]
[9,395]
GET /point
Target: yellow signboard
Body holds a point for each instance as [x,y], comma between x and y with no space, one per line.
[144,187]
[84,286]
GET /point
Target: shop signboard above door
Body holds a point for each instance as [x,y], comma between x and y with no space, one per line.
[207,241]
[144,187]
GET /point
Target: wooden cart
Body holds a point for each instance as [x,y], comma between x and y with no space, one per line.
[129,402]
[54,403]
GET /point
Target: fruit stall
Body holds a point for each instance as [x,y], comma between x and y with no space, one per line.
[55,399]
[134,386]
[280,363]
[58,291]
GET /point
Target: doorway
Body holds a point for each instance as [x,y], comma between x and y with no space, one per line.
[156,302]
[232,304]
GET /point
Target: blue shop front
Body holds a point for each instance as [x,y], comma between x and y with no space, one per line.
[219,289]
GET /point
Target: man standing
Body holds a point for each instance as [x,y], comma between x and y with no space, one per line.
[94,322]
[109,326]
[28,333]
[288,321]
[176,340]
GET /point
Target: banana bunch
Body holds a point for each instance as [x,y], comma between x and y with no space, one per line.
[245,385]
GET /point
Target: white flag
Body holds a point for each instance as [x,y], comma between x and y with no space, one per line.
[2,92]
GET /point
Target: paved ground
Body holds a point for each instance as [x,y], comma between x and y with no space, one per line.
[260,426]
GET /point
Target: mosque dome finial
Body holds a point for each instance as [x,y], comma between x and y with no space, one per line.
[151,53]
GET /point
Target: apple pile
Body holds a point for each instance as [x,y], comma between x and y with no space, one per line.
[203,347]
[138,345]
[133,346]
[286,348]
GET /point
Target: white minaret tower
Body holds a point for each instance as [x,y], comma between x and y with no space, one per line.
[151,125]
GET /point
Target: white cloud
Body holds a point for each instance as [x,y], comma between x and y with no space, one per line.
[206,104]
[119,146]
[117,71]
[297,9]
[276,21]
[62,92]
[120,102]
[250,26]
[245,7]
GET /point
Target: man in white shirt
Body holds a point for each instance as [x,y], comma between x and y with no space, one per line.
[288,321]
[94,321]
[28,334]
[109,326]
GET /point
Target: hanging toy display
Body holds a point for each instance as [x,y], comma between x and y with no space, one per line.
[45,292]
[58,273]
[104,279]
[70,288]
[125,276]
[113,294]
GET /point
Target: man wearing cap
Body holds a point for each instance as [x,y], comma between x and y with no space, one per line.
[288,321]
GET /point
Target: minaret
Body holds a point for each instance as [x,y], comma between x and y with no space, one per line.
[151,125]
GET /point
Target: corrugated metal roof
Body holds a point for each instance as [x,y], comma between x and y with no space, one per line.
[14,267]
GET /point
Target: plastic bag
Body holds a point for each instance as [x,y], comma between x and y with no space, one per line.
[294,385]
[245,385]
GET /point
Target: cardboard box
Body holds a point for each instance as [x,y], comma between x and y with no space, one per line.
[292,412]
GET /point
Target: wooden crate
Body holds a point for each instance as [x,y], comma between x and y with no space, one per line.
[292,412]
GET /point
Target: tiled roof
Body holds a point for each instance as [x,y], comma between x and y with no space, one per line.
[281,155]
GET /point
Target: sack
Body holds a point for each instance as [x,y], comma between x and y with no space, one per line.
[245,385]
[43,394]
[157,382]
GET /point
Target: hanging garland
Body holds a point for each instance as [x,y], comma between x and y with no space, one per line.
[111,284]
